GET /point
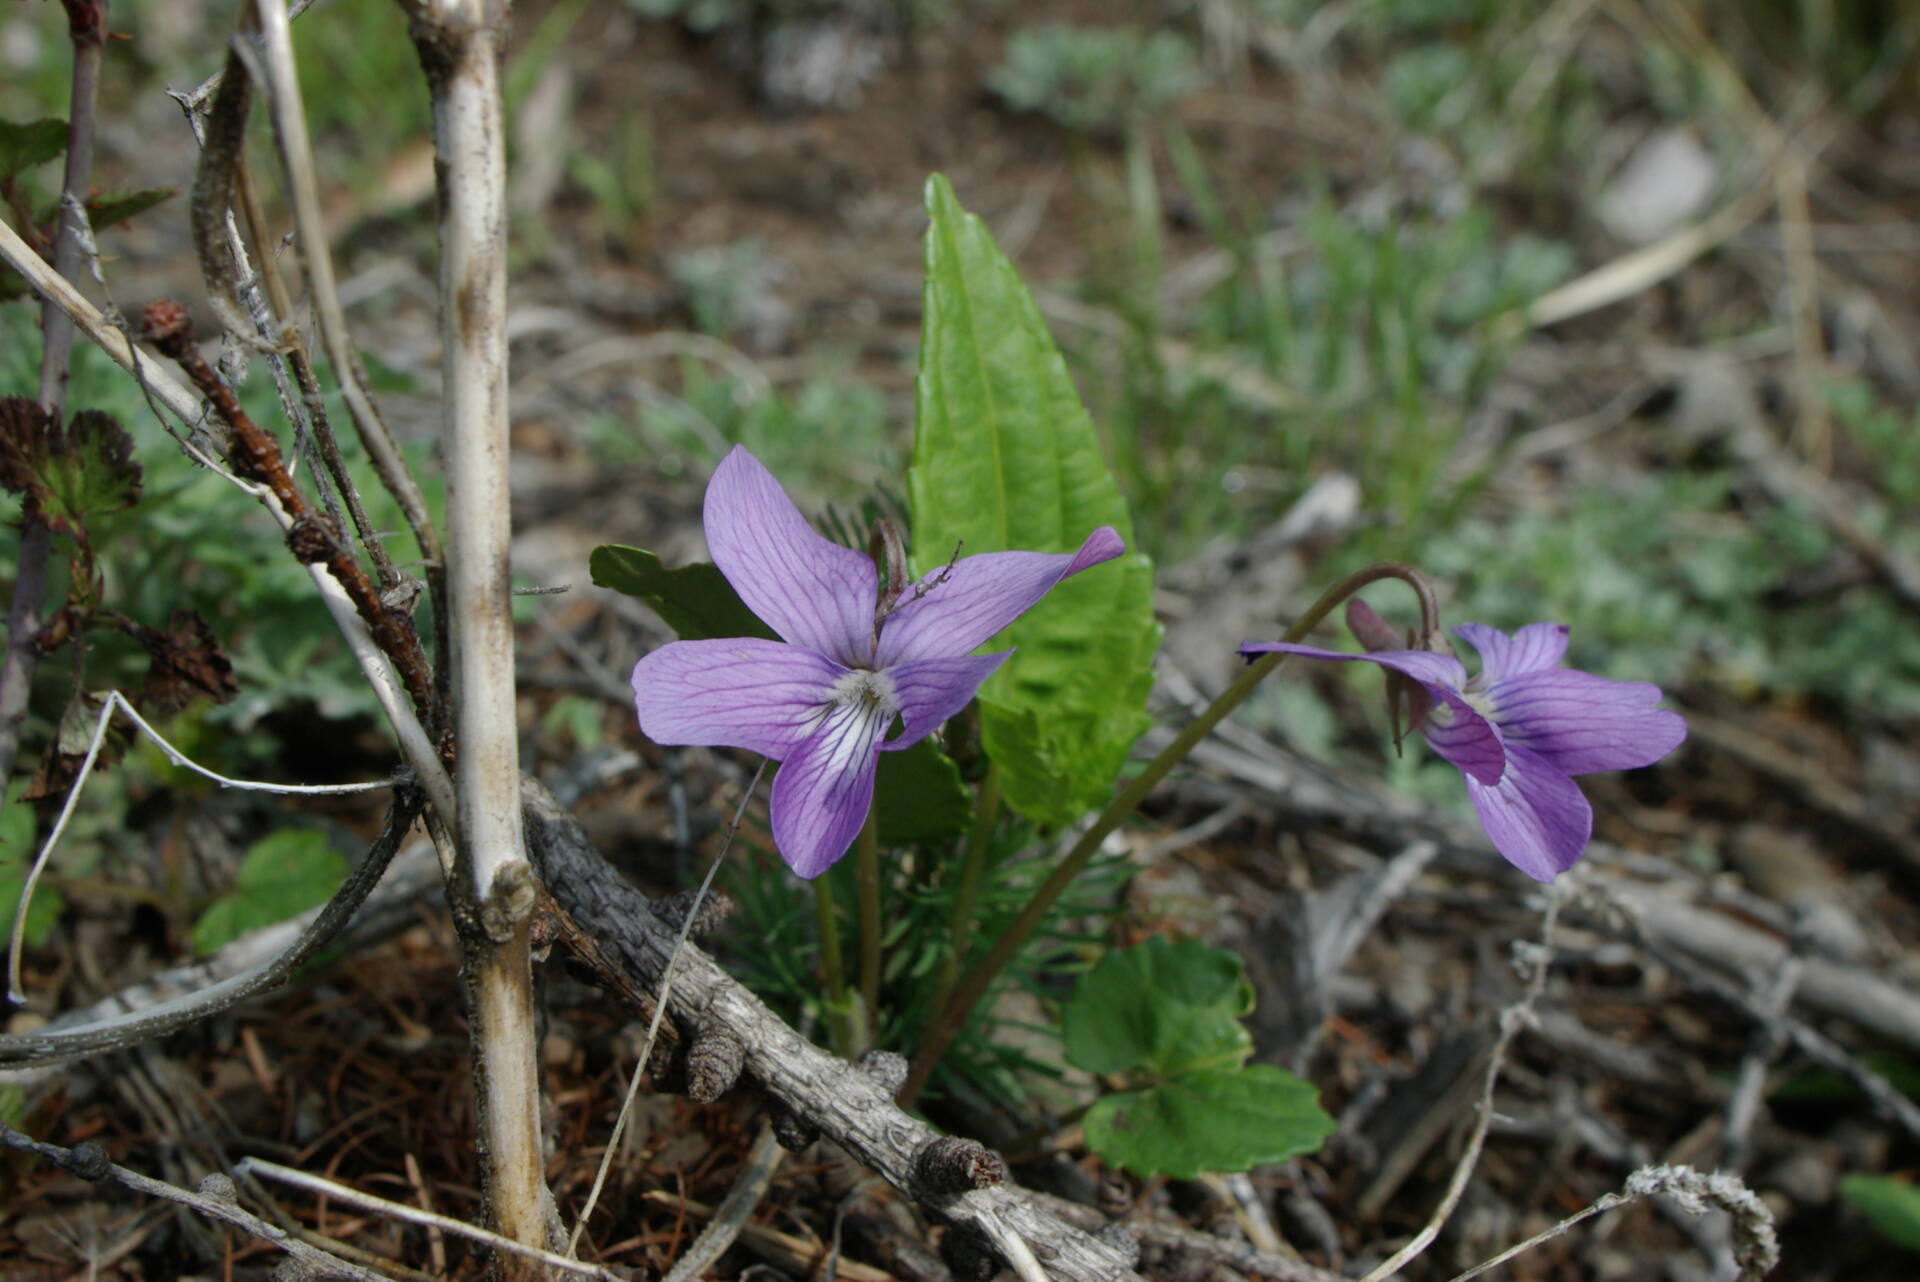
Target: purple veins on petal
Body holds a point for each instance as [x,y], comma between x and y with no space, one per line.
[1536,647]
[741,692]
[823,699]
[1536,815]
[958,608]
[1579,723]
[931,690]
[825,786]
[1521,729]
[813,592]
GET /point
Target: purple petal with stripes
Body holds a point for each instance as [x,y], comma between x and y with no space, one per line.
[980,595]
[825,787]
[1579,723]
[741,692]
[1534,648]
[931,690]
[806,587]
[1536,816]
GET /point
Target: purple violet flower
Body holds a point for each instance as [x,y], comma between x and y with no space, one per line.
[822,702]
[1521,729]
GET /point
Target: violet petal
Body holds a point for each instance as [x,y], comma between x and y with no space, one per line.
[825,787]
[1533,648]
[1369,629]
[1579,723]
[931,690]
[1536,816]
[739,692]
[979,596]
[804,586]
[1467,740]
[1425,666]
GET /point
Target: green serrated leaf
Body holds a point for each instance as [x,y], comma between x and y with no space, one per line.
[1005,457]
[29,143]
[113,207]
[918,796]
[17,849]
[1891,1206]
[280,876]
[1161,1008]
[696,600]
[1218,1120]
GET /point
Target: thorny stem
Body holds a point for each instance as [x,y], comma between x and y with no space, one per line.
[222,183]
[86,24]
[256,456]
[947,1023]
[867,854]
[986,814]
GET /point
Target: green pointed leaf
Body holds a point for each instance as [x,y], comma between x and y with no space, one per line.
[918,796]
[696,600]
[1161,1008]
[1005,457]
[1218,1120]
[17,849]
[1891,1206]
[113,207]
[280,876]
[29,143]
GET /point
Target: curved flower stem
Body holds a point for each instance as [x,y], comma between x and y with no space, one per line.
[946,1024]
[986,813]
[867,854]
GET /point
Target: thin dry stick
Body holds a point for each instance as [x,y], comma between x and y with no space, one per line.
[797,1254]
[1539,957]
[660,1010]
[160,384]
[296,154]
[763,1159]
[214,1199]
[1813,429]
[86,23]
[1606,1203]
[414,1215]
[115,701]
[120,1030]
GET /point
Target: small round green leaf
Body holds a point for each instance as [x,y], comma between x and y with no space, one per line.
[280,876]
[1161,1008]
[1216,1120]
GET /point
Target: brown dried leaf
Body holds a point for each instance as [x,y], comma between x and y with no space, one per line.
[185,663]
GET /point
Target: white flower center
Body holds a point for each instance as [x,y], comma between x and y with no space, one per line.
[869,691]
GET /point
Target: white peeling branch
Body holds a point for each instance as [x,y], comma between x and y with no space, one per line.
[459,43]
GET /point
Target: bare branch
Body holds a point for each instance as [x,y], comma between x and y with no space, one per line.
[837,1098]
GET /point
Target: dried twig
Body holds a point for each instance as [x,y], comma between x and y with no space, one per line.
[835,1097]
[296,153]
[493,890]
[763,1159]
[414,1215]
[163,388]
[214,1199]
[1534,960]
[113,1031]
